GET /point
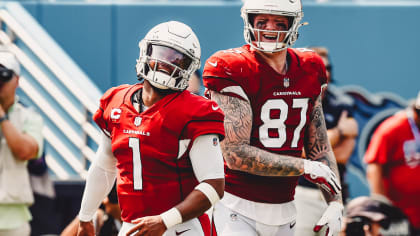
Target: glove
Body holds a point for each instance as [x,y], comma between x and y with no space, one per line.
[322,175]
[331,218]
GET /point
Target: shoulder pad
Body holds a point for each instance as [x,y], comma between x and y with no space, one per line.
[203,117]
[311,62]
[226,64]
[201,108]
[112,92]
[307,55]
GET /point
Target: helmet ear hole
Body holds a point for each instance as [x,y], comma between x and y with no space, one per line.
[147,69]
[251,34]
[251,18]
[149,49]
[290,19]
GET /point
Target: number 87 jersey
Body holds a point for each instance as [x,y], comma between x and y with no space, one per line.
[281,107]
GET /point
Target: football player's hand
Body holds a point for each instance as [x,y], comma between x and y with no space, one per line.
[147,226]
[86,229]
[331,219]
[322,175]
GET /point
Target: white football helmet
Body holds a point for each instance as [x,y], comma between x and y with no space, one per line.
[289,8]
[169,54]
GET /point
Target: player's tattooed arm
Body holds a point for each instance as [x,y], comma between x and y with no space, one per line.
[318,147]
[237,151]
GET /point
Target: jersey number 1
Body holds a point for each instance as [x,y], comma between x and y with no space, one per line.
[279,123]
[134,144]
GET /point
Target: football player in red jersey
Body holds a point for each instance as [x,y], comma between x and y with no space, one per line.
[160,142]
[271,96]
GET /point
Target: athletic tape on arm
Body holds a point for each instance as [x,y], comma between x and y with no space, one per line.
[209,191]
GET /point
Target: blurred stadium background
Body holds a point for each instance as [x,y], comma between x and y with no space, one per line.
[73,51]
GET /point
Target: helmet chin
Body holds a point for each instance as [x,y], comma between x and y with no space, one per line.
[161,80]
[269,46]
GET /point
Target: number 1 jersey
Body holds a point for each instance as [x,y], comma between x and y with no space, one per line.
[152,147]
[281,105]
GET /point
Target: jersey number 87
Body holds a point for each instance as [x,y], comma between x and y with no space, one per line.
[279,123]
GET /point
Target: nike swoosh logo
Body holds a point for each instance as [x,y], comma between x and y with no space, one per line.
[214,107]
[214,64]
[178,233]
[292,224]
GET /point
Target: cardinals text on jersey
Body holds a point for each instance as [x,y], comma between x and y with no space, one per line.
[281,105]
[152,147]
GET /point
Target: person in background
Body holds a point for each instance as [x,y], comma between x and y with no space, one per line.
[44,198]
[271,95]
[160,141]
[21,140]
[393,162]
[342,133]
[370,216]
[107,220]
[195,83]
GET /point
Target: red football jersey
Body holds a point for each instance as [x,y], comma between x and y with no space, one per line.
[394,147]
[152,147]
[281,105]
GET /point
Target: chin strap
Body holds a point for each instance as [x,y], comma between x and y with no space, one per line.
[137,101]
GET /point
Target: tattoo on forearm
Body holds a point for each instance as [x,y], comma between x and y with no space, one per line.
[236,117]
[317,136]
[318,146]
[238,152]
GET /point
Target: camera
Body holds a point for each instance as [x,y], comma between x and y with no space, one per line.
[5,74]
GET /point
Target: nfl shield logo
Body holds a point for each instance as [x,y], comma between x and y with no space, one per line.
[137,121]
[215,142]
[286,82]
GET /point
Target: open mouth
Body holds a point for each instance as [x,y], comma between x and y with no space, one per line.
[164,71]
[168,71]
[270,37]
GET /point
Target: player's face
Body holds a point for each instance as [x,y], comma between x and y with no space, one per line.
[164,59]
[269,23]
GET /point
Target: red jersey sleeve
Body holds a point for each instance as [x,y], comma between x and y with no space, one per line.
[102,115]
[312,63]
[323,81]
[319,63]
[224,72]
[207,118]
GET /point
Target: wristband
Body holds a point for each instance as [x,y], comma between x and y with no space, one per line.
[171,217]
[209,191]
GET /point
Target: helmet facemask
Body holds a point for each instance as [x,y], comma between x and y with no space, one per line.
[165,67]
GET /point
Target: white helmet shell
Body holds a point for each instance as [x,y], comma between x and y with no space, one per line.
[288,8]
[174,35]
